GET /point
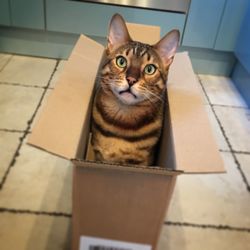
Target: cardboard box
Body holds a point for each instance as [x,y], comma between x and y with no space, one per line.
[125,203]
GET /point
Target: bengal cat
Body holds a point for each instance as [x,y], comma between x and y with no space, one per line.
[129,104]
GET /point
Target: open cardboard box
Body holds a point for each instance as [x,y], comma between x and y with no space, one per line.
[126,203]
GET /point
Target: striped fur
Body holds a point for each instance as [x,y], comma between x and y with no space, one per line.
[129,103]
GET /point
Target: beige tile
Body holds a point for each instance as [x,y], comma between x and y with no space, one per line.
[57,73]
[244,160]
[190,238]
[38,181]
[236,124]
[29,232]
[17,105]
[4,58]
[220,199]
[221,90]
[203,94]
[40,108]
[8,143]
[28,70]
[220,139]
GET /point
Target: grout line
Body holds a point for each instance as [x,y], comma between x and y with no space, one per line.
[241,152]
[229,106]
[22,85]
[225,150]
[27,211]
[226,138]
[207,226]
[235,151]
[27,131]
[6,63]
[12,130]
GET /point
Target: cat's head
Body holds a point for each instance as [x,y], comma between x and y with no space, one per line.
[136,72]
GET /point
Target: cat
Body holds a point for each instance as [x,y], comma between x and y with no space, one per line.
[128,107]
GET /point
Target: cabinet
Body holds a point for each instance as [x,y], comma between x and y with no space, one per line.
[28,13]
[202,23]
[93,19]
[242,49]
[4,12]
[241,73]
[231,21]
[214,24]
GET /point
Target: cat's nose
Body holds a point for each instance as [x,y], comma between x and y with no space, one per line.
[131,80]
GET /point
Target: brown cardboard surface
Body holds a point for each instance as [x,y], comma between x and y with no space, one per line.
[194,145]
[59,127]
[144,33]
[119,205]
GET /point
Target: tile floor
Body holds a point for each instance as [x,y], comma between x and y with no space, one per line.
[207,211]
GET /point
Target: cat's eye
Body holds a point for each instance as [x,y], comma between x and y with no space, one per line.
[150,69]
[121,62]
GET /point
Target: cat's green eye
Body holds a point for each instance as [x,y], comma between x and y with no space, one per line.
[121,62]
[150,69]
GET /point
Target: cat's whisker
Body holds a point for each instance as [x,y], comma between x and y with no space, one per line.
[153,103]
[147,91]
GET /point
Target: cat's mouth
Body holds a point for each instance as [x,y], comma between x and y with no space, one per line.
[127,92]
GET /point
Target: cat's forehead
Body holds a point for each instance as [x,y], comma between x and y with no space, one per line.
[137,49]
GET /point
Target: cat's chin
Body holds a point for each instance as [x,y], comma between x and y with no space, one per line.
[127,97]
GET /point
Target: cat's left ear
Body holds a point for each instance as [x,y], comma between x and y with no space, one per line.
[118,33]
[167,46]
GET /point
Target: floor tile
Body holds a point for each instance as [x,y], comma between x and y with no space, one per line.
[39,181]
[17,105]
[28,70]
[29,232]
[40,108]
[236,124]
[244,160]
[8,143]
[4,58]
[203,94]
[220,139]
[190,238]
[221,91]
[57,73]
[219,199]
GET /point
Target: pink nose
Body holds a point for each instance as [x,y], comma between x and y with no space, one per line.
[131,80]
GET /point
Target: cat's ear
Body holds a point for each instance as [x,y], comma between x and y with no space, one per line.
[118,33]
[167,46]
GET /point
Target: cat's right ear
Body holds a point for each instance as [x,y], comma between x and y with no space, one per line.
[118,33]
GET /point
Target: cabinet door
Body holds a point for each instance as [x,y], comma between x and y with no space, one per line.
[93,19]
[28,13]
[230,25]
[242,49]
[203,22]
[4,12]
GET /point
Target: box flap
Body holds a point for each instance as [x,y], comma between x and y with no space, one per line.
[195,148]
[61,122]
[144,33]
[58,129]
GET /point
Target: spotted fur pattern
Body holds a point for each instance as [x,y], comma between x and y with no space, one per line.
[129,104]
